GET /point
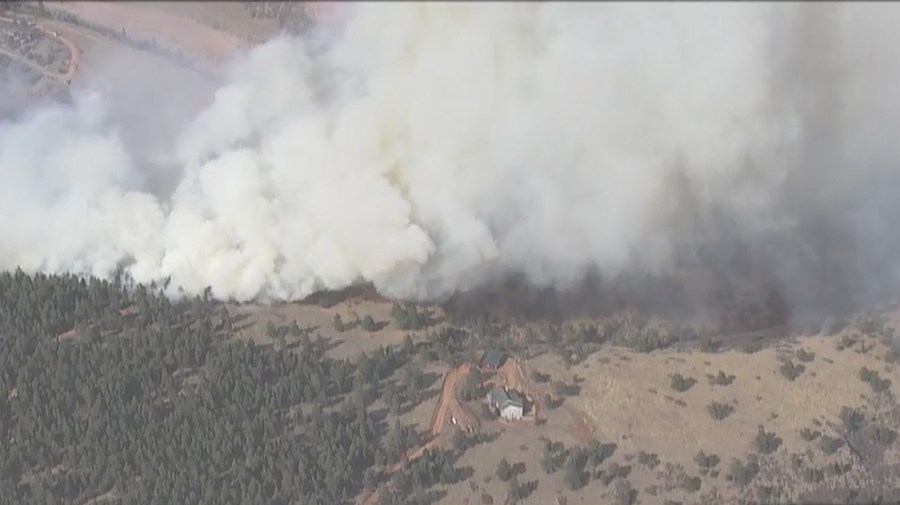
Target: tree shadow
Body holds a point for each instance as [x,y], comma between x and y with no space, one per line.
[557,402]
[321,344]
[462,474]
[528,488]
[430,379]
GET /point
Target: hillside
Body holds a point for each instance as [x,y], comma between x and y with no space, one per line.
[113,392]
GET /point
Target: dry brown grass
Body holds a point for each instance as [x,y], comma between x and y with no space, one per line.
[347,344]
[629,400]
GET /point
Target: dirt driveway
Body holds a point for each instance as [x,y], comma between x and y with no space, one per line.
[448,407]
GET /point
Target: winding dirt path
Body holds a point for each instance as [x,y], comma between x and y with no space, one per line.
[447,407]
[73,53]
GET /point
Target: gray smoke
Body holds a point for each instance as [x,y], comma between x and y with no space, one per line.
[433,148]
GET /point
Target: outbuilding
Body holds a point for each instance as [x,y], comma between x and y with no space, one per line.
[492,360]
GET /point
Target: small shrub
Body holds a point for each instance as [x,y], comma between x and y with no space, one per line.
[719,411]
[538,376]
[845,342]
[689,484]
[575,477]
[504,470]
[517,491]
[598,452]
[624,493]
[809,435]
[338,323]
[561,389]
[649,460]
[742,474]
[852,419]
[705,461]
[553,456]
[721,379]
[830,445]
[766,442]
[612,472]
[368,324]
[874,380]
[805,356]
[882,435]
[791,370]
[487,499]
[681,383]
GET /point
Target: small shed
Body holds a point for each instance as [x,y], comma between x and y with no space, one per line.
[492,360]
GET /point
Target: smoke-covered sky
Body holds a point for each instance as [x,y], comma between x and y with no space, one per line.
[435,147]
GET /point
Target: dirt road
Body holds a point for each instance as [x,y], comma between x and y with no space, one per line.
[73,54]
[448,407]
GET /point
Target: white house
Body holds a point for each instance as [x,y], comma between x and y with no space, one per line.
[505,402]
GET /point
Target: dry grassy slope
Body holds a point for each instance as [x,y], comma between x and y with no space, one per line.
[629,399]
[349,343]
[618,396]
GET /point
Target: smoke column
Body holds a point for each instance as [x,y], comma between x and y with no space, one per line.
[432,148]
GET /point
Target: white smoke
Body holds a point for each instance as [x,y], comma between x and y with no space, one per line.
[435,146]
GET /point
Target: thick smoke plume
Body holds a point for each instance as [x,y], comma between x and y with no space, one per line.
[434,148]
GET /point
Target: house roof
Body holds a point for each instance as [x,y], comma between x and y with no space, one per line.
[503,399]
[497,396]
[493,358]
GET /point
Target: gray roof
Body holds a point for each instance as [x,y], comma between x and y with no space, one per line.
[493,357]
[497,396]
[503,399]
